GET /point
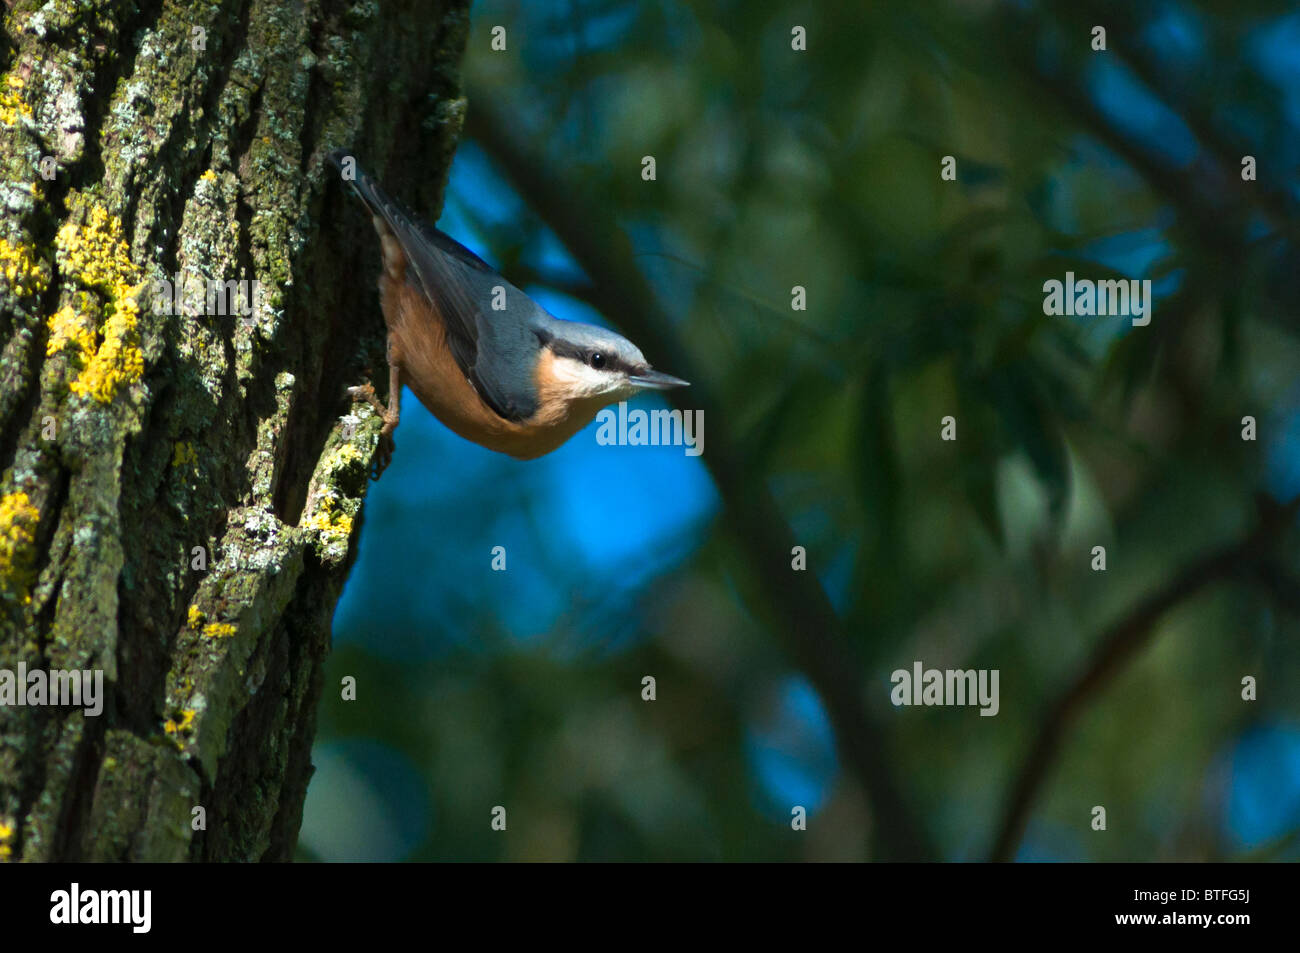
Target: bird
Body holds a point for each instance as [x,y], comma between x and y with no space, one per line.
[487,360]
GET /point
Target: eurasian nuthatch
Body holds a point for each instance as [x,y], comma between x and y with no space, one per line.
[486,359]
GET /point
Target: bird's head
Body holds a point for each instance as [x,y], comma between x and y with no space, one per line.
[588,363]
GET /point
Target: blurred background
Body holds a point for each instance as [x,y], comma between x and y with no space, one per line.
[820,168]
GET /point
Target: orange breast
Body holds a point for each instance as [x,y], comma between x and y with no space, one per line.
[420,348]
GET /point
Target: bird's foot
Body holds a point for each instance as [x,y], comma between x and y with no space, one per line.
[383,455]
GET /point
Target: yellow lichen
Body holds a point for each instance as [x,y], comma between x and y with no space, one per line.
[195,617]
[346,455]
[174,727]
[18,519]
[184,453]
[217,630]
[6,836]
[208,176]
[69,327]
[12,105]
[118,361]
[95,256]
[19,266]
[333,524]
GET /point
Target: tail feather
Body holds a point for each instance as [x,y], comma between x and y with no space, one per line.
[369,191]
[409,229]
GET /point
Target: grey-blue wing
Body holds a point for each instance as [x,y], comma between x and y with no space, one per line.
[500,348]
[496,350]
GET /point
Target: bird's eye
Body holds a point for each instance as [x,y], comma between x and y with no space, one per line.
[597,360]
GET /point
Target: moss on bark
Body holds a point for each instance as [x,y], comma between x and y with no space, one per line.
[180,496]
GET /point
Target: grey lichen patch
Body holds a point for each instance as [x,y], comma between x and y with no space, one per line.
[209,227]
[262,461]
[359,15]
[163,94]
[449,115]
[73,19]
[19,198]
[203,305]
[260,542]
[260,565]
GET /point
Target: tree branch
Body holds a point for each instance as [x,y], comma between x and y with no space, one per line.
[1266,196]
[1217,226]
[1119,646]
[807,622]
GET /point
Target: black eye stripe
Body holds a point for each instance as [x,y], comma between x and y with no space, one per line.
[563,349]
[614,363]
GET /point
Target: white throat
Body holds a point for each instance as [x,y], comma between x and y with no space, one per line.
[579,381]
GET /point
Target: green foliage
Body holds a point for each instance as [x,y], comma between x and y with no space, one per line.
[778,168]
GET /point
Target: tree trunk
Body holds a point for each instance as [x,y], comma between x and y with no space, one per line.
[180,493]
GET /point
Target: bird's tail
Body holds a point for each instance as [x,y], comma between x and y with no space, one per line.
[394,224]
[416,238]
[368,190]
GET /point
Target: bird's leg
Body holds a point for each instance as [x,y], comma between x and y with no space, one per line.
[390,414]
[394,412]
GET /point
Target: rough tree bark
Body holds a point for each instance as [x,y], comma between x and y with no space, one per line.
[180,495]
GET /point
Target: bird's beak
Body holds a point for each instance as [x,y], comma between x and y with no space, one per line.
[656,380]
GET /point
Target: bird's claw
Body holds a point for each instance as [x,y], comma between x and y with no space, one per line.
[383,455]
